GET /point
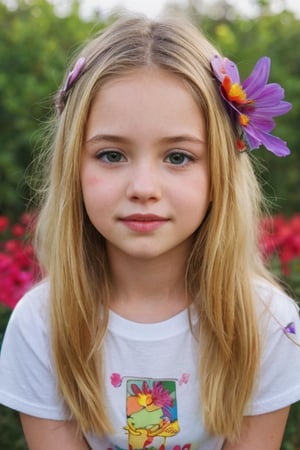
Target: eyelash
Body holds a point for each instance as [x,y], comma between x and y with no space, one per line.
[103,156]
[185,158]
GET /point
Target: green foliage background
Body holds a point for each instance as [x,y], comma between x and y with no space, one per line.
[35,47]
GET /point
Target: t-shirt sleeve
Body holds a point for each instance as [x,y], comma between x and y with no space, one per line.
[27,381]
[278,380]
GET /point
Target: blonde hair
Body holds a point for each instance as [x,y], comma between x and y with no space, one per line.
[224,259]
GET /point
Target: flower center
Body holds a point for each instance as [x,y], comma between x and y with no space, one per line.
[237,94]
[234,92]
[244,120]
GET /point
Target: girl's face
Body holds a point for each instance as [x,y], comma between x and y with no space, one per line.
[144,170]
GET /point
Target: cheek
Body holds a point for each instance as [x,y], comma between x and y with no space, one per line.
[92,186]
[196,191]
[195,204]
[99,191]
[89,177]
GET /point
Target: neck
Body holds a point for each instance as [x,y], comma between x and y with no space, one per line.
[149,290]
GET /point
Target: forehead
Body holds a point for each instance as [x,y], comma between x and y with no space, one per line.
[145,98]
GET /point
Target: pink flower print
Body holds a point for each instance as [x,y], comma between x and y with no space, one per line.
[184,379]
[116,380]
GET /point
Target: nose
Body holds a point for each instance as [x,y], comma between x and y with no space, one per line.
[144,183]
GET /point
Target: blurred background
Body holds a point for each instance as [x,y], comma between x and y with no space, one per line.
[37,40]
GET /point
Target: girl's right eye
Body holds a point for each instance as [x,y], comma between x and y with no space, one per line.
[111,156]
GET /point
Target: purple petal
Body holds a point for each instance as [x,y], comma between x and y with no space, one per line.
[290,328]
[217,66]
[258,77]
[79,65]
[272,92]
[253,142]
[276,145]
[273,111]
[272,143]
[264,123]
[222,67]
[77,69]
[232,71]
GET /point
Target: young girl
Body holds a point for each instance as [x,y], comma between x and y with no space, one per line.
[157,325]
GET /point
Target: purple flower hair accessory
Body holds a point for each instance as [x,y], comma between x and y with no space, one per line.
[252,104]
[72,77]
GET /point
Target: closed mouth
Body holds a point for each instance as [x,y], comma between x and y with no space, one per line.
[143,218]
[144,223]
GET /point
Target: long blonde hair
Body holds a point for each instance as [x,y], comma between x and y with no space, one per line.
[221,267]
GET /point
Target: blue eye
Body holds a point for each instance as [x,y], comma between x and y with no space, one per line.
[179,158]
[111,156]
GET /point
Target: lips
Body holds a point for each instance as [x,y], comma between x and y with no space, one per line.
[143,222]
[143,217]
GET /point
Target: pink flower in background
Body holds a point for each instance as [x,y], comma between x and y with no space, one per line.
[18,230]
[18,266]
[19,269]
[3,223]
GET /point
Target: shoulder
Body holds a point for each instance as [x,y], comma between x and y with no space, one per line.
[29,326]
[274,307]
[278,382]
[27,376]
[33,306]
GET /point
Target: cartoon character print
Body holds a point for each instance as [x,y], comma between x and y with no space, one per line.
[151,409]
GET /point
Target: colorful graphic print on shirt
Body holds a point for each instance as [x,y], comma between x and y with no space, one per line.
[151,411]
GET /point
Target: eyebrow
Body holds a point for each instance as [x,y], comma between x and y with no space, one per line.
[166,139]
[107,137]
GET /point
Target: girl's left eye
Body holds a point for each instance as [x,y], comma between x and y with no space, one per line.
[179,158]
[111,156]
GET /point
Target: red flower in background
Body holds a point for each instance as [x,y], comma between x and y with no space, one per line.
[3,223]
[281,236]
[19,269]
[18,266]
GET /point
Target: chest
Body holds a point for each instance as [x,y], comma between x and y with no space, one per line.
[153,395]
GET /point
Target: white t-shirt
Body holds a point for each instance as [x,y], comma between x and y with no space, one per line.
[150,374]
